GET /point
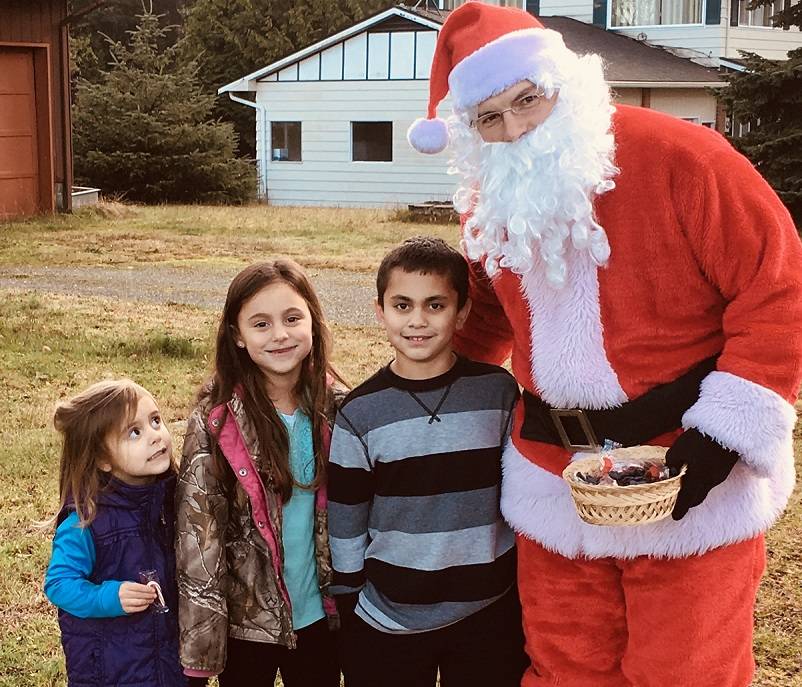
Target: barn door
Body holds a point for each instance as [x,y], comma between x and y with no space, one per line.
[19,149]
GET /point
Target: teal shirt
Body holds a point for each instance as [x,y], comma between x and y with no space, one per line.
[298,535]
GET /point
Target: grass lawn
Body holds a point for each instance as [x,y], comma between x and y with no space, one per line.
[51,346]
[190,235]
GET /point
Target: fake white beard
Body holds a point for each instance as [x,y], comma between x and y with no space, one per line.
[535,195]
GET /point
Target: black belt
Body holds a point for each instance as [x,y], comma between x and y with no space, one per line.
[635,422]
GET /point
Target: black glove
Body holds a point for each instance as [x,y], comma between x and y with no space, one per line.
[708,463]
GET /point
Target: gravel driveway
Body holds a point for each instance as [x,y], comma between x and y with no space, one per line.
[346,296]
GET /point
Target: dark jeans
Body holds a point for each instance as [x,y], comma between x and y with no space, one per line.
[485,649]
[313,663]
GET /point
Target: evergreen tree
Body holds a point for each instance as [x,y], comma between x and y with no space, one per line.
[145,131]
[768,96]
[112,20]
[231,38]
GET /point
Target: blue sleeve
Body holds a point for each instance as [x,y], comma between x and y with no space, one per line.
[66,581]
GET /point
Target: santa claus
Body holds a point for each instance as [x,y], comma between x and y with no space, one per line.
[644,276]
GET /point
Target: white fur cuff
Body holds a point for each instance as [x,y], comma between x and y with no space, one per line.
[745,417]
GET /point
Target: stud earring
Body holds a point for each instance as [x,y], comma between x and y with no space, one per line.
[241,344]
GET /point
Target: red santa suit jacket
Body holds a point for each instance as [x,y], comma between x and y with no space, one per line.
[704,260]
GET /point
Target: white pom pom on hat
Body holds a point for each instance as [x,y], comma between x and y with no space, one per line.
[428,135]
[481,51]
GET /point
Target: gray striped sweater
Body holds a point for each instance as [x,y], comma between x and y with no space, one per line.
[414,487]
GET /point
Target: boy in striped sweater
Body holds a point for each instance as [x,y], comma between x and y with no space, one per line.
[424,564]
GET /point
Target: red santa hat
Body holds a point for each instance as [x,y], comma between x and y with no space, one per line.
[481,51]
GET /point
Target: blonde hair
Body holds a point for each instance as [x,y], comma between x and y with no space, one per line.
[85,421]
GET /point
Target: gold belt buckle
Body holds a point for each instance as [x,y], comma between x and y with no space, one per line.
[557,415]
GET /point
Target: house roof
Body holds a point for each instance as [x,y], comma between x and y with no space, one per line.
[627,61]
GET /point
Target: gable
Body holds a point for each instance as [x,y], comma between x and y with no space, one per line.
[371,39]
[395,23]
[403,52]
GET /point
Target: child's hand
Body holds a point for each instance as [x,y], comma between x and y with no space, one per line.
[135,597]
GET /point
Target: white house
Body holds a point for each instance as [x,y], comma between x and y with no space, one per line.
[331,119]
[707,30]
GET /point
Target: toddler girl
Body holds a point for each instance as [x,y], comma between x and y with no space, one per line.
[112,572]
[252,549]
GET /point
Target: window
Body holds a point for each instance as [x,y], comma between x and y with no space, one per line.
[285,141]
[372,141]
[760,16]
[655,12]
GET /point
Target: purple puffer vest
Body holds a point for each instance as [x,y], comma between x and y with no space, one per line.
[133,531]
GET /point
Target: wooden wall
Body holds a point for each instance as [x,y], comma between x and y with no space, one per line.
[38,23]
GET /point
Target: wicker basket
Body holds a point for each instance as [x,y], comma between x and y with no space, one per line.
[636,504]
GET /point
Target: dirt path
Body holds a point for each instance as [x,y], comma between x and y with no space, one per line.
[346,296]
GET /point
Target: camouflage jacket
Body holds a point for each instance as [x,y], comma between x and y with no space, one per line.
[228,544]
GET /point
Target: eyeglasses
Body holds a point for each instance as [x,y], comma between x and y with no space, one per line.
[526,102]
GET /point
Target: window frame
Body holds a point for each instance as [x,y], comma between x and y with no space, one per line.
[300,141]
[750,13]
[353,140]
[701,22]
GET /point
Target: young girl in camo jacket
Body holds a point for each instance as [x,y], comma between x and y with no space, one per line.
[252,541]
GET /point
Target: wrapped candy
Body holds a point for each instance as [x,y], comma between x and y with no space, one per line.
[625,473]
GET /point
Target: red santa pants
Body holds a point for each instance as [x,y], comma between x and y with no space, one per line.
[642,622]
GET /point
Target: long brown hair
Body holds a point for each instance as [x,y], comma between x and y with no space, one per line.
[234,369]
[85,421]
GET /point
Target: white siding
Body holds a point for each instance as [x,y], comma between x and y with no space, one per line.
[327,176]
[628,96]
[581,10]
[772,44]
[702,41]
[685,102]
[681,102]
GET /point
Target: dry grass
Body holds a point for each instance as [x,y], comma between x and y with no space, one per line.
[115,234]
[50,346]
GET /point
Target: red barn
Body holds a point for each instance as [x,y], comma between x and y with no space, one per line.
[35,141]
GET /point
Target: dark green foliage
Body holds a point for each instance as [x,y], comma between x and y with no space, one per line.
[114,20]
[231,38]
[144,130]
[769,95]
